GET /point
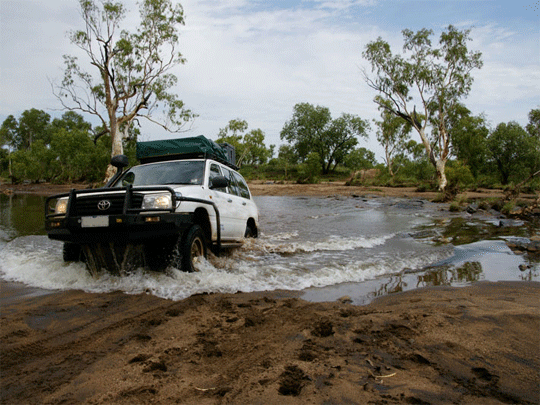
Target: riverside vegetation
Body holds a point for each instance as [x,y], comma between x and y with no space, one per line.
[64,151]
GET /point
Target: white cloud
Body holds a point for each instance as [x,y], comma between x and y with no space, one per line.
[255,60]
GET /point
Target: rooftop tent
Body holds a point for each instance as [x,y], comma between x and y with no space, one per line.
[168,149]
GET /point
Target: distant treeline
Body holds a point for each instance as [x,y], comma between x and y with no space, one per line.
[34,148]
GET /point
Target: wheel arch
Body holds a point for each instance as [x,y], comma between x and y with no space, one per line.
[201,218]
[253,225]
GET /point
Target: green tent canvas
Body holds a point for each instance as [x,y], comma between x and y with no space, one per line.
[172,148]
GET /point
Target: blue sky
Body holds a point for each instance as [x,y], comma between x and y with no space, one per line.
[255,60]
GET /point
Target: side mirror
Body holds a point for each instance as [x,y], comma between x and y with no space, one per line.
[219,182]
[120,161]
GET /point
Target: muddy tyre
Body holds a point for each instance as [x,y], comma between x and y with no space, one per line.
[192,248]
[71,252]
[250,232]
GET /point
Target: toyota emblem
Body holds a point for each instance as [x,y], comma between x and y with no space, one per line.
[104,205]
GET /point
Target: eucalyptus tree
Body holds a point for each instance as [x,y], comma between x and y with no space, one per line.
[433,78]
[250,148]
[233,134]
[512,150]
[130,68]
[469,139]
[393,133]
[533,127]
[32,125]
[312,130]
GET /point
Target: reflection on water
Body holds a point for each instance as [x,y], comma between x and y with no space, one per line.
[460,231]
[468,273]
[21,214]
[327,248]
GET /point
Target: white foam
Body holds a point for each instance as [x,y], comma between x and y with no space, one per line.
[333,243]
[36,261]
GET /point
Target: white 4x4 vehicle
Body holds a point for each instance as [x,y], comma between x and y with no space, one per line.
[185,197]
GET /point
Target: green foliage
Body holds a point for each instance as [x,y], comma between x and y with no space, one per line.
[533,127]
[508,207]
[72,154]
[454,206]
[469,138]
[32,164]
[393,134]
[359,159]
[250,148]
[414,172]
[514,152]
[312,129]
[33,125]
[130,75]
[309,171]
[459,175]
[66,154]
[436,77]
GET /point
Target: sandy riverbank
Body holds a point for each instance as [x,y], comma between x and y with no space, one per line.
[260,188]
[478,344]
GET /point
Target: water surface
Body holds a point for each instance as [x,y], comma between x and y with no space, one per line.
[321,248]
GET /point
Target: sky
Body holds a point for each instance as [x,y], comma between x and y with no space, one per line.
[255,59]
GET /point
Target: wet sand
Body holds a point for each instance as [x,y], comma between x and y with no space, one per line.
[439,345]
[477,344]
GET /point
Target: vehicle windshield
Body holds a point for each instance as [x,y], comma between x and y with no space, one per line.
[174,172]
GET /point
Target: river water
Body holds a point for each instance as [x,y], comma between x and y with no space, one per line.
[319,249]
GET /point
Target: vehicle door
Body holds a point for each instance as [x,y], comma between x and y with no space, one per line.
[249,208]
[238,204]
[221,197]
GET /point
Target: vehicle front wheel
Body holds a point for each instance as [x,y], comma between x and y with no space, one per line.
[71,252]
[192,248]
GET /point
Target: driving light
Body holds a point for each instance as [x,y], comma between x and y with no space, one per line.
[61,206]
[157,201]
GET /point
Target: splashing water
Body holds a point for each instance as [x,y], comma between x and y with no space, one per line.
[304,243]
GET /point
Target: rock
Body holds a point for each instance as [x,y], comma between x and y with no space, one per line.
[503,223]
[408,205]
[522,245]
[427,233]
[472,208]
[345,299]
[534,247]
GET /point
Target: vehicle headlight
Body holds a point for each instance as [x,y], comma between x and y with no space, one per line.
[157,201]
[61,206]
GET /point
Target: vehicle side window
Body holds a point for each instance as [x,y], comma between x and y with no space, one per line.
[233,187]
[214,172]
[242,186]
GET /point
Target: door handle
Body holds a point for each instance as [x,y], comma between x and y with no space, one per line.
[244,203]
[229,200]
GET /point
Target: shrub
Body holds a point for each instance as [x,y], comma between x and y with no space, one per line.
[308,172]
[455,207]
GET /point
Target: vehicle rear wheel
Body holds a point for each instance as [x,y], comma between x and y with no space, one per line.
[192,248]
[250,232]
[71,252]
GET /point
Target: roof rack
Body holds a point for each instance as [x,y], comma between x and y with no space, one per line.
[198,147]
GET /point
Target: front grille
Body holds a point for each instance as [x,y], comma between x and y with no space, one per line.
[88,205]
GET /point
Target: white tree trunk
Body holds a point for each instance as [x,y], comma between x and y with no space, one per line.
[441,175]
[117,149]
[439,163]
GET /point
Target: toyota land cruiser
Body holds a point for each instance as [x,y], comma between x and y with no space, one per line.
[185,197]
